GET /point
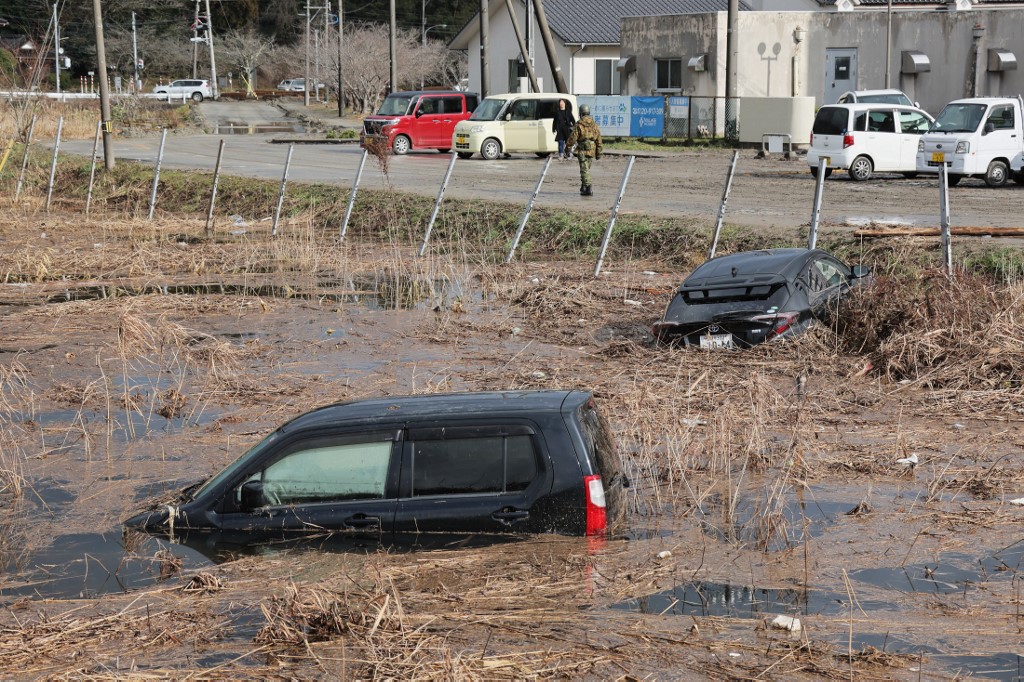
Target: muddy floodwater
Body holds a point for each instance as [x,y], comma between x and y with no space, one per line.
[773,531]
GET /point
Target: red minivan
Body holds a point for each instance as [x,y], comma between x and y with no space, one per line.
[418,119]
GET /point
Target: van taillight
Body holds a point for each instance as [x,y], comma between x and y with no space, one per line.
[847,141]
[597,516]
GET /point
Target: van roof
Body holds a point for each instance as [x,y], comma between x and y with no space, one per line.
[413,93]
[427,406]
[538,95]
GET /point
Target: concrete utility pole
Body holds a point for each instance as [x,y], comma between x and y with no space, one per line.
[484,48]
[101,71]
[731,50]
[888,44]
[195,43]
[135,57]
[549,46]
[305,71]
[213,61]
[341,45]
[393,47]
[56,45]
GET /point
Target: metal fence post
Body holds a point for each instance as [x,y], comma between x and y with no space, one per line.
[213,190]
[280,194]
[721,207]
[24,159]
[92,170]
[7,152]
[53,165]
[352,195]
[819,187]
[947,242]
[156,174]
[437,203]
[528,210]
[615,214]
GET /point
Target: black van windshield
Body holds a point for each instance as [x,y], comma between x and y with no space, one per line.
[488,110]
[396,105]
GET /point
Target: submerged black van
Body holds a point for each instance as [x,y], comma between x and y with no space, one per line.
[490,462]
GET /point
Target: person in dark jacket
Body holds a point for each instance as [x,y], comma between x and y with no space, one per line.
[562,127]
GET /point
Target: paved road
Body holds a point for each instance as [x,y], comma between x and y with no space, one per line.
[689,184]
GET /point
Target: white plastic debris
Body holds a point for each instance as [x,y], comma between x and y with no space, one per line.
[786,623]
[630,301]
[958,426]
[664,554]
[535,280]
[1019,502]
[538,375]
[687,421]
[733,654]
[650,273]
[909,462]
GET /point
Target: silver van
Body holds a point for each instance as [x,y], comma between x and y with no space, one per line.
[509,124]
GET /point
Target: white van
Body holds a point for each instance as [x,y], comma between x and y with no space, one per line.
[512,123]
[867,138]
[980,136]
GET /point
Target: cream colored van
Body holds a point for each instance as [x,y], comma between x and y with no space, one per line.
[509,124]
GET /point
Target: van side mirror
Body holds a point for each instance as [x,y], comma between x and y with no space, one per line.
[508,117]
[252,496]
[419,112]
[989,127]
[860,271]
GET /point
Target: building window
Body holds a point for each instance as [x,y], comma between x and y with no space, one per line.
[669,74]
[606,78]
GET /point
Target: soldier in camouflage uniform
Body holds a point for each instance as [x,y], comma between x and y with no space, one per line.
[587,138]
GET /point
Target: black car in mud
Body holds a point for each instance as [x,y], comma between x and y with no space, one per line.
[380,469]
[746,298]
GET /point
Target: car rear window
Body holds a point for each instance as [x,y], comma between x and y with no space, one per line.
[760,292]
[598,438]
[831,121]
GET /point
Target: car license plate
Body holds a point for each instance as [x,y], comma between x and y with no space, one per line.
[716,341]
[938,157]
[827,160]
[462,139]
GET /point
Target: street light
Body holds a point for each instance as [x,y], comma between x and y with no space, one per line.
[426,30]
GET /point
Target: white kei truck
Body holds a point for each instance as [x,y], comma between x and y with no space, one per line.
[980,137]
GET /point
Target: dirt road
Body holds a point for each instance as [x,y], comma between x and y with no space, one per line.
[766,191]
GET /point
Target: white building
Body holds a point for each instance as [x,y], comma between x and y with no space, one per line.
[586,37]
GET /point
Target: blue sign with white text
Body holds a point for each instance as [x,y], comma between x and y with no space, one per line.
[647,116]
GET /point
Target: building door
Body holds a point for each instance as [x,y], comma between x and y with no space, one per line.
[840,72]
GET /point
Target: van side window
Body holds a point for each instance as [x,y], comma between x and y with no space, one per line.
[524,110]
[1001,118]
[860,121]
[881,122]
[429,105]
[489,464]
[547,108]
[451,105]
[914,123]
[471,102]
[328,470]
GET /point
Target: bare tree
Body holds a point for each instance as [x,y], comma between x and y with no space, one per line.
[246,49]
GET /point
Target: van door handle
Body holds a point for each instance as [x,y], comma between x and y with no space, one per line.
[362,521]
[510,515]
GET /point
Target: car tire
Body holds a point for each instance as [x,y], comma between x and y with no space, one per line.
[814,172]
[401,145]
[490,149]
[542,155]
[953,180]
[445,150]
[997,174]
[861,168]
[465,155]
[197,97]
[910,176]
